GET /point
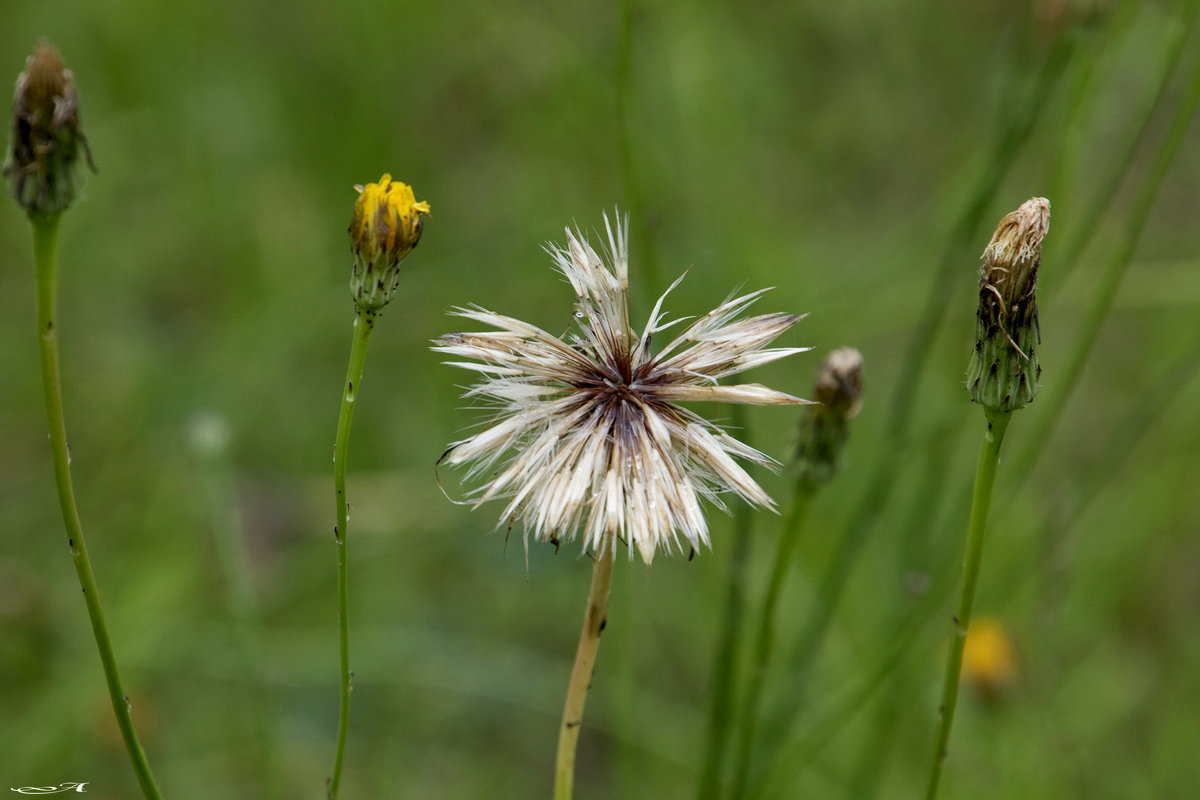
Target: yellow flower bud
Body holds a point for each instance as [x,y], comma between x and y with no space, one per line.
[386,225]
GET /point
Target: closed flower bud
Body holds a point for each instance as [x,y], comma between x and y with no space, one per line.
[386,225]
[838,389]
[1004,370]
[41,168]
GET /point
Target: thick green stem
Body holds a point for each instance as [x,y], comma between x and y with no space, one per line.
[981,501]
[594,620]
[364,323]
[764,642]
[45,252]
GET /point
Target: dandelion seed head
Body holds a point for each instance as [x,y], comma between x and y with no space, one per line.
[587,438]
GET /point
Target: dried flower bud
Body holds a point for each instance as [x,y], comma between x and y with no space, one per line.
[42,170]
[1004,370]
[386,226]
[839,388]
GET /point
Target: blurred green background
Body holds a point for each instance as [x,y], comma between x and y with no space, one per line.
[854,155]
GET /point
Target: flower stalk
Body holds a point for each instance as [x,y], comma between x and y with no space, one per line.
[386,225]
[838,390]
[595,618]
[1002,377]
[41,172]
[364,324]
[981,501]
[728,656]
[764,638]
[589,441]
[45,251]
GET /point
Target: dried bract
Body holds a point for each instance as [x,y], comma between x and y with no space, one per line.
[823,430]
[41,168]
[1004,370]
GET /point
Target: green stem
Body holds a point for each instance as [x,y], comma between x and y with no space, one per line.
[594,620]
[725,666]
[1014,131]
[364,323]
[981,500]
[823,725]
[764,643]
[633,187]
[725,659]
[45,253]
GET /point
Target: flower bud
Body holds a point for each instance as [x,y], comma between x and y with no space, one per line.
[838,390]
[1004,371]
[386,225]
[41,168]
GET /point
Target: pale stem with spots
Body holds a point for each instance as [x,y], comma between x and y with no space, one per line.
[594,620]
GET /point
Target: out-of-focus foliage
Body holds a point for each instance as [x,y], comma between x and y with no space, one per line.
[822,148]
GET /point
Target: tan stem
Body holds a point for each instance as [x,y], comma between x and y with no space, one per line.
[594,620]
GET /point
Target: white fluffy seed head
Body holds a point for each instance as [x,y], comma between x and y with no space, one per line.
[587,438]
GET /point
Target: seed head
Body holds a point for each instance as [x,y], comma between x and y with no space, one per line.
[823,430]
[41,168]
[386,225]
[587,432]
[1004,370]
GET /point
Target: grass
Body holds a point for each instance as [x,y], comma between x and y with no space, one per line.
[827,150]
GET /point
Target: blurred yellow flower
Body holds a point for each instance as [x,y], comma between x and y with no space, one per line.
[989,658]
